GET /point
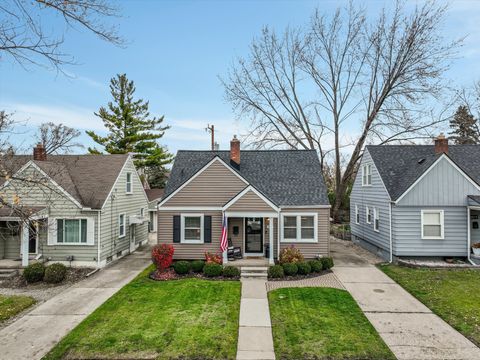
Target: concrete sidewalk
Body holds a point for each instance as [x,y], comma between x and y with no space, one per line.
[407,326]
[33,335]
[255,332]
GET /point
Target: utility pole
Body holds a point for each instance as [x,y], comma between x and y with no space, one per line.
[211,129]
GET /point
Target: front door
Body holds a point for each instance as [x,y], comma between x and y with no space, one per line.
[254,235]
[132,238]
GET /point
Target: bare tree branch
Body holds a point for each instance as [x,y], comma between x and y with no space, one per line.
[58,138]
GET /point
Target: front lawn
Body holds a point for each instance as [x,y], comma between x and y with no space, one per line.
[452,294]
[180,319]
[322,323]
[13,305]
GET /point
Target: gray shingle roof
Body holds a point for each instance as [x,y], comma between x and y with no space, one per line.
[286,177]
[401,165]
[87,178]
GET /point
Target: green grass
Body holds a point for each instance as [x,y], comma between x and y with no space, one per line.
[322,323]
[13,305]
[452,294]
[180,319]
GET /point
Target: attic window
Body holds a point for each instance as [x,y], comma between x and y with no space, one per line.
[367,175]
[128,188]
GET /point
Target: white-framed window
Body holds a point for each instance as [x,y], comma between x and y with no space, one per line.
[71,231]
[376,219]
[357,215]
[191,228]
[121,225]
[368,215]
[367,175]
[432,224]
[128,185]
[299,227]
[142,212]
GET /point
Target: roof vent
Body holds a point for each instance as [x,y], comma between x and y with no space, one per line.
[421,161]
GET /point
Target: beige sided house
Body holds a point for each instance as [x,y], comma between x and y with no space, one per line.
[84,210]
[270,199]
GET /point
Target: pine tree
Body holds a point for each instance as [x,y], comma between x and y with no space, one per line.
[130,127]
[464,127]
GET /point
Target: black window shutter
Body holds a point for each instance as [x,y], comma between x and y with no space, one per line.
[207,229]
[176,229]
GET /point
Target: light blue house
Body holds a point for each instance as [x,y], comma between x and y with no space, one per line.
[418,200]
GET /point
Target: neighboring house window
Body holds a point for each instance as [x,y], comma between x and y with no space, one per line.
[192,229]
[368,215]
[128,189]
[357,215]
[121,225]
[299,228]
[376,219]
[142,212]
[367,175]
[71,231]
[432,224]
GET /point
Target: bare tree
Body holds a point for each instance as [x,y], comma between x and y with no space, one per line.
[58,138]
[344,81]
[25,38]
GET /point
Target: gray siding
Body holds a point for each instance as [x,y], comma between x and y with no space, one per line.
[121,203]
[443,185]
[374,196]
[9,241]
[408,236]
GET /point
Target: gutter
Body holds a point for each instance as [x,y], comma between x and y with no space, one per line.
[390,233]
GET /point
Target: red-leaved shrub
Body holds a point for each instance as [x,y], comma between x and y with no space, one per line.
[162,256]
[211,258]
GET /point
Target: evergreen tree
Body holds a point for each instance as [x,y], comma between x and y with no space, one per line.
[464,127]
[130,127]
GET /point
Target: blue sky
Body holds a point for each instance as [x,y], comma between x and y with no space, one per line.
[175,52]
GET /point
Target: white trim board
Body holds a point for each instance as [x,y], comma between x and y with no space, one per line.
[251,214]
[189,208]
[245,191]
[425,173]
[216,158]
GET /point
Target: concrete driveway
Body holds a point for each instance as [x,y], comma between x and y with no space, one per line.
[33,335]
[407,326]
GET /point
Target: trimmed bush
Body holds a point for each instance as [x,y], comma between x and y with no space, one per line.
[212,270]
[304,268]
[34,272]
[290,269]
[197,266]
[231,271]
[316,265]
[276,272]
[181,267]
[327,262]
[162,256]
[55,273]
[290,255]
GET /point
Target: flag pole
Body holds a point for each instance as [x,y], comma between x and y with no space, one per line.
[224,254]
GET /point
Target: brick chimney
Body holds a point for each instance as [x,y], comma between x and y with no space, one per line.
[235,150]
[39,153]
[441,144]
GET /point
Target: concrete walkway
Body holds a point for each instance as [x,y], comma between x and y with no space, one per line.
[33,335]
[255,332]
[407,326]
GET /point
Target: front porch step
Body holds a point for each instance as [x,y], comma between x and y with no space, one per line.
[8,273]
[254,271]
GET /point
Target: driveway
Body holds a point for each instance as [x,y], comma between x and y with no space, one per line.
[407,326]
[34,334]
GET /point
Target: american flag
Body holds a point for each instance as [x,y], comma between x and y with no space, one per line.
[223,239]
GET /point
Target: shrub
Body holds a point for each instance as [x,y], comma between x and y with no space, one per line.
[162,256]
[316,265]
[211,258]
[290,269]
[197,266]
[275,272]
[55,273]
[34,272]
[212,269]
[290,255]
[231,271]
[327,262]
[181,267]
[304,268]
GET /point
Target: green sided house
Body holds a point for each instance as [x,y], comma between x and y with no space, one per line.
[83,210]
[270,200]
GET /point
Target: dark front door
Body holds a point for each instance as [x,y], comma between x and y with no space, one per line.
[254,235]
[32,239]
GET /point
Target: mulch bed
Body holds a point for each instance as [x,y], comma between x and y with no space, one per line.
[301,277]
[73,275]
[170,274]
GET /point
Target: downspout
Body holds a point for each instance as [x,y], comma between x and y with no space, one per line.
[469,240]
[390,233]
[99,227]
[278,235]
